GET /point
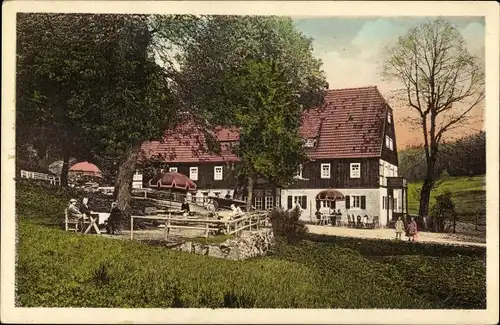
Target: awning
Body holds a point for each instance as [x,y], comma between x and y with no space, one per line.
[172,180]
[330,195]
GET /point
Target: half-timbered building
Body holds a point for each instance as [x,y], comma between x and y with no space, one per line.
[350,143]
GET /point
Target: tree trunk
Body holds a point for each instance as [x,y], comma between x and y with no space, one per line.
[65,168]
[123,185]
[251,182]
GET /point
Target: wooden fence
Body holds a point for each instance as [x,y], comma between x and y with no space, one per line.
[54,180]
[251,221]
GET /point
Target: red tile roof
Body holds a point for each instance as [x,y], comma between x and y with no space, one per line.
[349,125]
[186,143]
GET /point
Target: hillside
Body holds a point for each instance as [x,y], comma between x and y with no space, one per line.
[469,195]
[60,269]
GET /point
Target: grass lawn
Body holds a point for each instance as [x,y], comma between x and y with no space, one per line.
[59,269]
[469,195]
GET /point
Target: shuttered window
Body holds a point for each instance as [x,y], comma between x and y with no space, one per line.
[289,202]
[363,202]
[347,202]
[304,202]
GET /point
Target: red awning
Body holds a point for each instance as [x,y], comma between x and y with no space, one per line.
[172,180]
[330,195]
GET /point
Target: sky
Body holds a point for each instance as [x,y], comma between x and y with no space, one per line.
[351,51]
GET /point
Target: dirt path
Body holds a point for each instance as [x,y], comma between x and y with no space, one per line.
[452,239]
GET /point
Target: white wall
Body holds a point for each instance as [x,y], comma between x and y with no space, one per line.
[372,202]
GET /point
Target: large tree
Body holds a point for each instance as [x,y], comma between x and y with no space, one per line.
[441,83]
[97,85]
[258,74]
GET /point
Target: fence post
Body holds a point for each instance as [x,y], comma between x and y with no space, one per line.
[206,230]
[167,228]
[131,227]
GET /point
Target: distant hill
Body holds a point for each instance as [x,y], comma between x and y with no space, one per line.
[469,195]
[463,157]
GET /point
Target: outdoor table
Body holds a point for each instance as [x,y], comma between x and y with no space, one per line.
[333,219]
[93,217]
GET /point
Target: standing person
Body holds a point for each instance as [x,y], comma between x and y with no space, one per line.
[412,229]
[185,207]
[113,219]
[399,226]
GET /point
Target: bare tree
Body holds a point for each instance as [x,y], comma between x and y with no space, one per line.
[441,83]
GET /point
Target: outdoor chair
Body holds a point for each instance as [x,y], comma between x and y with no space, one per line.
[70,224]
[375,222]
[358,222]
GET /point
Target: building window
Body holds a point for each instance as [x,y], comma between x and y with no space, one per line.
[325,170]
[356,202]
[355,170]
[309,143]
[293,200]
[278,202]
[381,174]
[258,202]
[172,169]
[299,172]
[193,173]
[389,143]
[389,117]
[268,203]
[218,173]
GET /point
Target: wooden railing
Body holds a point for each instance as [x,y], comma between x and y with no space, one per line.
[251,221]
[166,197]
[54,180]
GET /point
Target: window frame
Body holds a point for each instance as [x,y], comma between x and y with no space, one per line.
[351,166]
[329,171]
[353,205]
[259,203]
[173,169]
[191,173]
[221,177]
[268,199]
[389,117]
[299,171]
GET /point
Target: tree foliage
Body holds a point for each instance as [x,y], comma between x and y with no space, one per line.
[463,157]
[257,74]
[91,85]
[441,83]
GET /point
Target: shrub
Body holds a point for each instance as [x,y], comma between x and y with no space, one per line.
[286,225]
[444,210]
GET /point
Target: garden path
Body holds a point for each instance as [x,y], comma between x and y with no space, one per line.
[383,233]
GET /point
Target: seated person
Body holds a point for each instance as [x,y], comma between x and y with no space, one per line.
[73,211]
[84,208]
[239,212]
[228,195]
[74,214]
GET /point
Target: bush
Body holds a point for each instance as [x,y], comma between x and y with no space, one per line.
[286,225]
[443,210]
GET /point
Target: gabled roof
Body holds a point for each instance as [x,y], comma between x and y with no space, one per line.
[186,143]
[350,124]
